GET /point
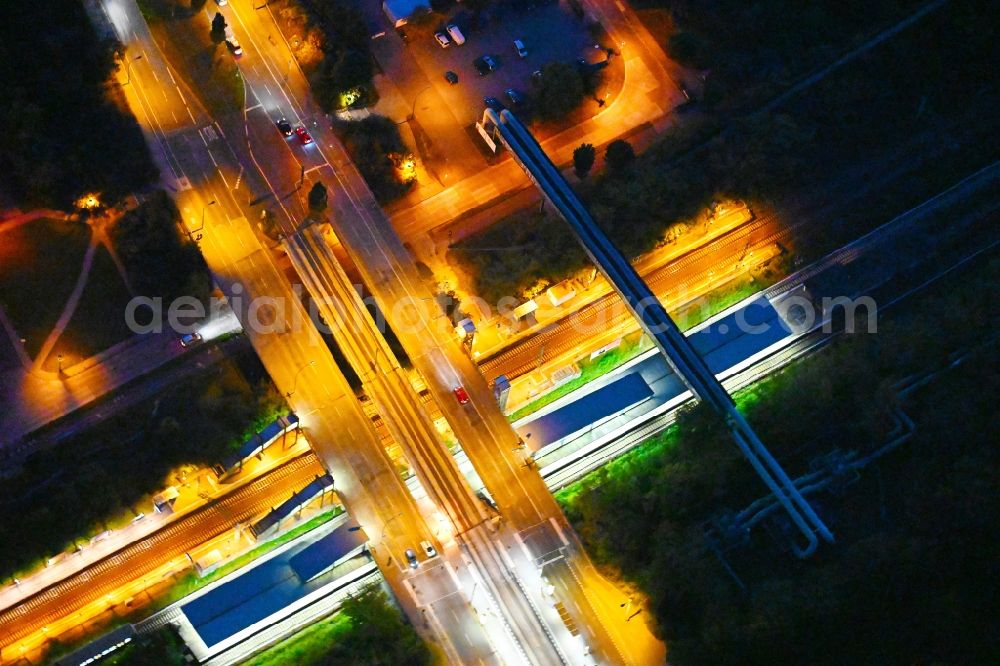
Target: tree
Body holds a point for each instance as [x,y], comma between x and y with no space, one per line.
[583,159]
[561,90]
[218,28]
[378,634]
[619,156]
[351,69]
[317,198]
[373,144]
[159,260]
[688,49]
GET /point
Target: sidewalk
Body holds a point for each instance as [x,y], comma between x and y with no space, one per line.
[194,493]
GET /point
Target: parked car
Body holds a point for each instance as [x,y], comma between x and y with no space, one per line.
[303,135]
[411,557]
[460,393]
[481,67]
[451,77]
[521,50]
[428,549]
[442,40]
[515,97]
[455,34]
[491,62]
[284,127]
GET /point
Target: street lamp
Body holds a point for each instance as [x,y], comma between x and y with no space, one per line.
[202,225]
[59,367]
[413,108]
[386,526]
[128,67]
[295,382]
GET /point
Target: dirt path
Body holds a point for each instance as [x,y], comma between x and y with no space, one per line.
[71,303]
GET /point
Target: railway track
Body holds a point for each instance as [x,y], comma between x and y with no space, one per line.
[608,313]
[145,556]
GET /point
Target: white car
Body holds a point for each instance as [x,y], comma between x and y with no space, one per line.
[442,40]
[456,34]
[521,50]
[222,3]
[428,549]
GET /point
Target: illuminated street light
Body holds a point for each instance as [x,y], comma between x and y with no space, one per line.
[89,201]
[202,225]
[295,382]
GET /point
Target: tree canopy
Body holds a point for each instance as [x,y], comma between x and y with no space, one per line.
[66,128]
[561,90]
[583,159]
[160,261]
[379,635]
[909,579]
[618,156]
[376,147]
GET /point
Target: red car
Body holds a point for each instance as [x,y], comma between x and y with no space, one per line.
[303,135]
[461,395]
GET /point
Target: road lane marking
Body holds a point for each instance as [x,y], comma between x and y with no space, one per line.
[180,94]
[255,106]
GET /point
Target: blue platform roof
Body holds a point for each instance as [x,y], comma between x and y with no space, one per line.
[328,551]
[723,344]
[260,440]
[292,504]
[267,588]
[605,401]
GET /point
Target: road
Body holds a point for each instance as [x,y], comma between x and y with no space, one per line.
[218,162]
[360,340]
[480,427]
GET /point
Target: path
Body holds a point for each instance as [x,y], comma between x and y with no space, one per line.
[71,303]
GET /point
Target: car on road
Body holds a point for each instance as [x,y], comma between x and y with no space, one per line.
[496,105]
[233,43]
[521,50]
[515,97]
[303,135]
[451,77]
[460,393]
[428,549]
[190,339]
[455,34]
[222,3]
[442,40]
[411,557]
[284,127]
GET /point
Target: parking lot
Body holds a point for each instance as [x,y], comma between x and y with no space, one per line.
[441,114]
[550,33]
